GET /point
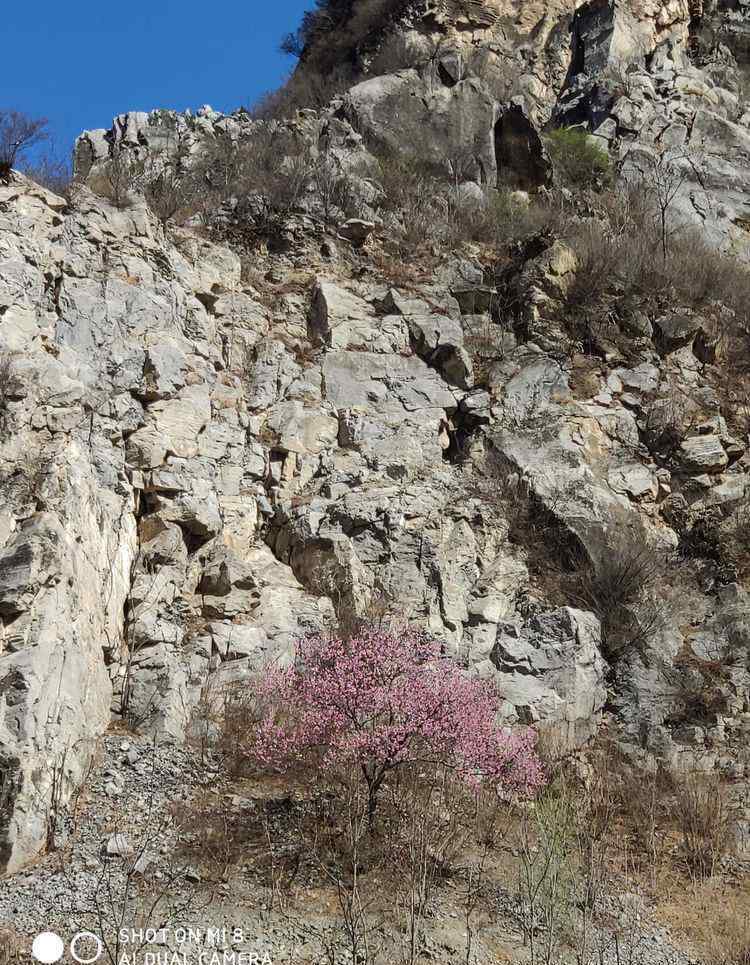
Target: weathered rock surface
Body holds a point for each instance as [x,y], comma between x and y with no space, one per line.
[553,673]
[133,515]
[196,470]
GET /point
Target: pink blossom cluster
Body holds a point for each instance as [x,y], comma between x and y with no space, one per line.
[382,699]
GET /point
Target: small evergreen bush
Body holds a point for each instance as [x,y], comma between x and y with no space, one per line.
[580,162]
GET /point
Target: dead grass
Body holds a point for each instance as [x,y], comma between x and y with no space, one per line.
[713,916]
[631,833]
[586,377]
[702,816]
[13,949]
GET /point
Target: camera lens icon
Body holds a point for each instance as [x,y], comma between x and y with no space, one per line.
[85,948]
[81,951]
[47,948]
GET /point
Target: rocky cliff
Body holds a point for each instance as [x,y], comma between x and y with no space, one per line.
[207,450]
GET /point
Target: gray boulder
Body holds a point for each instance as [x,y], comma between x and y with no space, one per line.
[551,674]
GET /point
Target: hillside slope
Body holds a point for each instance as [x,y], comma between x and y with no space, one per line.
[219,435]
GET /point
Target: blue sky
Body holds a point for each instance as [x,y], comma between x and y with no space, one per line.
[81,62]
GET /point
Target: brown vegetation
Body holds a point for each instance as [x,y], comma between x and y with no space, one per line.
[336,30]
[602,836]
[13,950]
[619,589]
[18,134]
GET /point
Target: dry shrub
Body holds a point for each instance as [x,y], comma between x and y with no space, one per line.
[432,204]
[737,538]
[487,342]
[725,540]
[532,524]
[547,872]
[264,178]
[411,191]
[270,162]
[306,89]
[172,191]
[596,815]
[13,949]
[18,134]
[702,816]
[337,30]
[52,172]
[668,420]
[620,591]
[237,714]
[118,179]
[499,219]
[624,268]
[397,52]
[598,258]
[7,363]
[714,917]
[644,810]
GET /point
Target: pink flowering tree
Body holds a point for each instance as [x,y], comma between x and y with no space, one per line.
[381,700]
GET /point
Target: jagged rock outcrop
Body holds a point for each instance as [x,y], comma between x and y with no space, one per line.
[553,674]
[203,459]
[131,482]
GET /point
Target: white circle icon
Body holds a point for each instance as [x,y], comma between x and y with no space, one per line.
[47,947]
[82,936]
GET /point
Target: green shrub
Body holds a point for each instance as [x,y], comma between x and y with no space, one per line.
[575,156]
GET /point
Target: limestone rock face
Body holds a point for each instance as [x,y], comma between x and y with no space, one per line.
[553,673]
[204,457]
[503,142]
[131,491]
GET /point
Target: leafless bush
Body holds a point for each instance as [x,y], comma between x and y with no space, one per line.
[598,256]
[644,806]
[119,176]
[596,813]
[336,30]
[410,191]
[730,936]
[7,361]
[533,524]
[703,821]
[306,89]
[667,421]
[632,258]
[13,950]
[52,172]
[140,886]
[264,176]
[699,685]
[724,539]
[616,79]
[171,189]
[737,537]
[330,184]
[395,53]
[487,342]
[546,844]
[432,820]
[498,219]
[343,849]
[433,205]
[620,590]
[270,172]
[18,134]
